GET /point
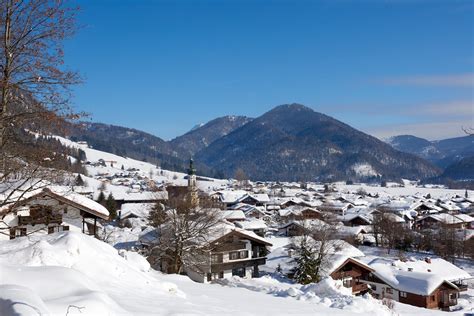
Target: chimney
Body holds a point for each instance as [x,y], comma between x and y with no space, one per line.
[428,260]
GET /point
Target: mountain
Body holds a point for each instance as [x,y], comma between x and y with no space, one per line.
[441,153]
[460,171]
[203,135]
[293,142]
[128,142]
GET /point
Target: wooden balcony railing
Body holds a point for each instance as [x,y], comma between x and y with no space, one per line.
[29,220]
[356,288]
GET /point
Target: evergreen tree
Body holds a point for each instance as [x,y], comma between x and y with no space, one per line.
[111,206]
[79,182]
[306,270]
[123,168]
[101,198]
[466,195]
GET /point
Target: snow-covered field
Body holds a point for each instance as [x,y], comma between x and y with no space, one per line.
[73,272]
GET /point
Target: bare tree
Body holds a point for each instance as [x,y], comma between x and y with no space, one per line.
[184,236]
[34,90]
[240,176]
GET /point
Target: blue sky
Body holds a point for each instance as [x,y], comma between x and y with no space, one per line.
[385,67]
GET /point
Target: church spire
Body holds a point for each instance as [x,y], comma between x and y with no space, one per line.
[191,170]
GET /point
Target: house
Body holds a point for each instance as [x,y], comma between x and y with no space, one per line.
[236,252]
[429,283]
[351,272]
[298,212]
[438,220]
[356,219]
[135,210]
[48,211]
[233,216]
[298,228]
[257,226]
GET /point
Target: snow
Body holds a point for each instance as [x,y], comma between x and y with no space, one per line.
[364,170]
[61,271]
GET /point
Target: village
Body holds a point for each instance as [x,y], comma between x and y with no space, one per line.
[399,242]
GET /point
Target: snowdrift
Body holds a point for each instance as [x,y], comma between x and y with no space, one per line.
[69,270]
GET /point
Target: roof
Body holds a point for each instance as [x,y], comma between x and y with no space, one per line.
[70,198]
[226,230]
[417,276]
[137,209]
[251,224]
[233,215]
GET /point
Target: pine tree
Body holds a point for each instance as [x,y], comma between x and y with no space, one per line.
[101,198]
[306,268]
[79,182]
[123,168]
[111,206]
[466,195]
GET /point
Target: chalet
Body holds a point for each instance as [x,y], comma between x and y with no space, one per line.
[257,226]
[298,212]
[355,219]
[252,211]
[444,219]
[429,283]
[135,210]
[351,272]
[235,253]
[298,228]
[48,211]
[233,216]
[336,207]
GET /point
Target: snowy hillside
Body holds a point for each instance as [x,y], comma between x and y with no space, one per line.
[113,166]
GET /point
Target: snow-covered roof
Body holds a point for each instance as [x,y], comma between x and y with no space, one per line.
[251,224]
[69,197]
[417,276]
[233,215]
[137,209]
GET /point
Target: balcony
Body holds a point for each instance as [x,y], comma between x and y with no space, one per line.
[360,287]
[461,286]
[30,220]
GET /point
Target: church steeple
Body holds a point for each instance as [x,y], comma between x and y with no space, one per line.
[192,184]
[191,170]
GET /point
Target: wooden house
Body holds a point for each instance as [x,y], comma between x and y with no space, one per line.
[47,211]
[235,253]
[351,272]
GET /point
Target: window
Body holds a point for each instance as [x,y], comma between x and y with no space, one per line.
[65,228]
[216,258]
[347,282]
[373,287]
[403,294]
[389,290]
[433,298]
[50,229]
[234,255]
